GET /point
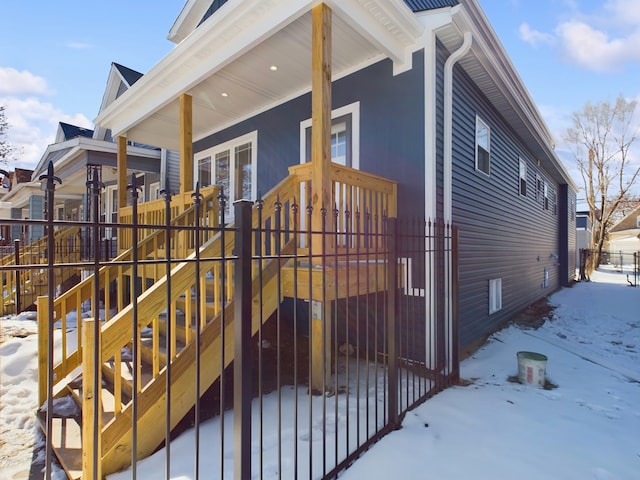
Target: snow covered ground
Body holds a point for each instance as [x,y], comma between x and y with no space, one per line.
[588,427]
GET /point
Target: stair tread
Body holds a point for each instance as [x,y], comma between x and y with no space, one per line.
[66,441]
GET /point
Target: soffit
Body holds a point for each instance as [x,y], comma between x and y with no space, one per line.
[233,55]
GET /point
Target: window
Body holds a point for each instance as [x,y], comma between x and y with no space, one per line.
[345,136]
[482,146]
[638,221]
[495,295]
[546,195]
[154,191]
[523,177]
[231,166]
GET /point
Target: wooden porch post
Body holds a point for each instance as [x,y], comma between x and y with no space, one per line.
[321,182]
[121,162]
[186,143]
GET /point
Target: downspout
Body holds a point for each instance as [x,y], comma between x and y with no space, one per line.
[448,124]
[448,199]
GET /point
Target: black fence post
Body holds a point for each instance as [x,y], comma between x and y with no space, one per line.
[95,186]
[392,313]
[242,364]
[16,249]
[50,188]
[455,285]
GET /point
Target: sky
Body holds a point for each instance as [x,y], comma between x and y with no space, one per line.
[54,64]
[489,427]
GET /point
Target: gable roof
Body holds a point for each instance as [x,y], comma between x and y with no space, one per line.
[628,222]
[128,75]
[66,131]
[196,12]
[224,64]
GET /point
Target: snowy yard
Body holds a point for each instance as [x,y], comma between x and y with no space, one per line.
[492,428]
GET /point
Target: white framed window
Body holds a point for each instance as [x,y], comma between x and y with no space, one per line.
[546,195]
[154,191]
[495,295]
[638,221]
[523,177]
[232,166]
[483,142]
[345,136]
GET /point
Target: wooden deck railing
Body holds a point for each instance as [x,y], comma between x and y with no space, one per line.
[360,202]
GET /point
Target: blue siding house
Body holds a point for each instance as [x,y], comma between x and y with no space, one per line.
[421,93]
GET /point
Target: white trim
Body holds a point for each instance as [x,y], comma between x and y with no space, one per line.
[352,109]
[409,289]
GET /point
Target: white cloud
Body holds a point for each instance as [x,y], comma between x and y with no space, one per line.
[32,126]
[534,37]
[79,45]
[593,49]
[624,12]
[13,82]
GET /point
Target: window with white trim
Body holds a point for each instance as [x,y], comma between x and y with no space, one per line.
[495,295]
[232,166]
[483,162]
[523,177]
[638,221]
[345,136]
[546,195]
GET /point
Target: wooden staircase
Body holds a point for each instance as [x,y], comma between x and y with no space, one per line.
[155,310]
[32,283]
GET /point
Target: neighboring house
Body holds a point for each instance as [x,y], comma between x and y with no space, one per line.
[583,233]
[423,93]
[78,154]
[624,236]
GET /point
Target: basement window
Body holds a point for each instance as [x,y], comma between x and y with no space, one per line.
[482,146]
[495,295]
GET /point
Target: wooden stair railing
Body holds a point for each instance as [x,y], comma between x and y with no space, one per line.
[67,308]
[33,282]
[352,189]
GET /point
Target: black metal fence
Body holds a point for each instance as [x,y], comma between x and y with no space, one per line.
[325,339]
[625,263]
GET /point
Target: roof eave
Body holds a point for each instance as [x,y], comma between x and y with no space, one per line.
[239,28]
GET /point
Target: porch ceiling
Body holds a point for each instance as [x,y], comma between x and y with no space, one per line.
[226,64]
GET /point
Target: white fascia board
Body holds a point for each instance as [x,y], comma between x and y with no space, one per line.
[188,19]
[217,42]
[388,24]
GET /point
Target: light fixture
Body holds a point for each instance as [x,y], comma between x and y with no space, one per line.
[273,68]
[224,94]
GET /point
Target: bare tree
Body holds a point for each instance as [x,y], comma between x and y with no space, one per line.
[602,135]
[5,147]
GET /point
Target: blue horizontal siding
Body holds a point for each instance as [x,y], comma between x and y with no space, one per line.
[503,234]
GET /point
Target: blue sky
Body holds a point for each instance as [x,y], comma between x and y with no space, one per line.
[55,56]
